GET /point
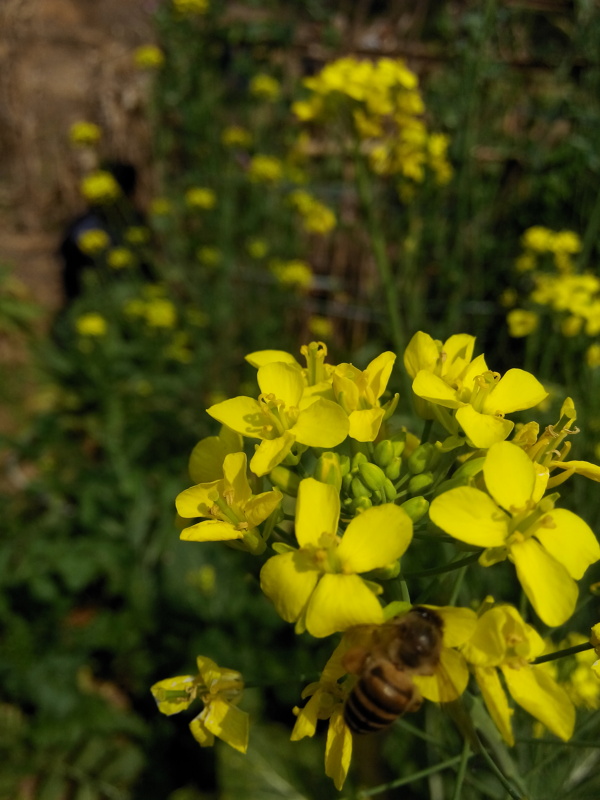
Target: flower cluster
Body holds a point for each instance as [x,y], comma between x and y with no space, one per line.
[570,298]
[369,501]
[381,103]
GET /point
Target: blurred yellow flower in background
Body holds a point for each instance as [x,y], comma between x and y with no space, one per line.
[93,241]
[265,86]
[85,133]
[100,187]
[91,324]
[148,56]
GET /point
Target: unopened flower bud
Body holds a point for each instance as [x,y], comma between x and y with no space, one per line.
[469,468]
[416,507]
[359,489]
[393,469]
[357,459]
[328,470]
[386,573]
[286,480]
[399,443]
[419,483]
[361,504]
[421,458]
[372,476]
[383,453]
[389,490]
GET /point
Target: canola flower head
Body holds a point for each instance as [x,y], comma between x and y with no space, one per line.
[85,134]
[93,242]
[319,586]
[191,8]
[148,56]
[137,235]
[550,548]
[265,86]
[160,207]
[160,312]
[294,273]
[120,258]
[200,197]
[265,169]
[220,691]
[236,136]
[503,642]
[100,188]
[91,325]
[521,322]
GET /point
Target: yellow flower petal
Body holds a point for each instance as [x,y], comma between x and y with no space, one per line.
[585,468]
[431,387]
[459,352]
[241,414]
[340,601]
[375,538]
[206,460]
[288,581]
[322,424]
[259,507]
[338,749]
[200,733]
[459,623]
[421,353]
[482,430]
[365,424]
[306,722]
[515,391]
[270,453]
[550,589]
[378,373]
[471,516]
[162,690]
[537,692]
[197,501]
[510,476]
[449,681]
[227,723]
[210,530]
[285,381]
[317,511]
[570,541]
[234,471]
[261,357]
[496,701]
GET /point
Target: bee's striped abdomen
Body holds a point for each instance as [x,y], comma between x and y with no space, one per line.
[375,702]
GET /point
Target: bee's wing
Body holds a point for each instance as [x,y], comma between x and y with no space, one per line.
[449,680]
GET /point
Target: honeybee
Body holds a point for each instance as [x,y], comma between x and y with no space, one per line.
[406,646]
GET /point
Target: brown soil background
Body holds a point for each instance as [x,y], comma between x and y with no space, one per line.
[62,61]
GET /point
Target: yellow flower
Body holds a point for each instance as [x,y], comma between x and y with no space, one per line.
[160,313]
[120,258]
[521,322]
[191,7]
[85,133]
[148,56]
[293,273]
[208,456]
[538,239]
[91,324]
[318,586]
[160,207]
[503,641]
[359,392]
[592,355]
[550,548]
[474,397]
[233,512]
[220,691]
[316,216]
[100,187]
[283,415]
[265,169]
[257,248]
[566,242]
[236,136]
[320,326]
[571,326]
[93,242]
[327,698]
[265,86]
[137,234]
[200,197]
[209,256]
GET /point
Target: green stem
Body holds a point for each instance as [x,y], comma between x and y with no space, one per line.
[462,768]
[499,774]
[460,576]
[568,651]
[416,776]
[425,573]
[382,261]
